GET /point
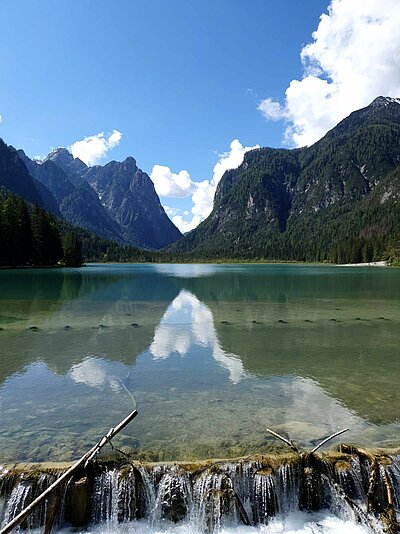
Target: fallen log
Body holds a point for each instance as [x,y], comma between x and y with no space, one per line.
[84,460]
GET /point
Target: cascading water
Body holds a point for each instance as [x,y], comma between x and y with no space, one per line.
[174,496]
[16,492]
[209,497]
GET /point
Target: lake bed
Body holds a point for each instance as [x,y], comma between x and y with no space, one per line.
[211,356]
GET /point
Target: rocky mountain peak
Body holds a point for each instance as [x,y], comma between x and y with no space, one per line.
[128,195]
[129,163]
[384,101]
[66,161]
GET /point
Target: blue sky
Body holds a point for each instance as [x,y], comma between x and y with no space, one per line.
[178,80]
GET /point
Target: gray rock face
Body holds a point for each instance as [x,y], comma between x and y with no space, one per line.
[77,202]
[15,177]
[117,200]
[128,195]
[66,161]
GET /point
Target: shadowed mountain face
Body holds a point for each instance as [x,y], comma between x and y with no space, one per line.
[120,200]
[296,204]
[128,195]
[77,202]
[15,177]
[117,201]
[64,159]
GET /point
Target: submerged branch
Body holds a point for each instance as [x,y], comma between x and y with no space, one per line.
[67,475]
[296,449]
[287,441]
[328,439]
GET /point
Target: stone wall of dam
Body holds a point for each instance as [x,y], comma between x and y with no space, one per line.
[352,484]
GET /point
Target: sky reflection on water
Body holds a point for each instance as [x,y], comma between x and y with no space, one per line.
[211,355]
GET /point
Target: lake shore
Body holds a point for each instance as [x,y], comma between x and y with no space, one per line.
[365,264]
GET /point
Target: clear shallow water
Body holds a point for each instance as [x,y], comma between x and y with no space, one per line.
[211,354]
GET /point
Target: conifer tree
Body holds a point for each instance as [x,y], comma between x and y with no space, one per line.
[72,251]
[47,241]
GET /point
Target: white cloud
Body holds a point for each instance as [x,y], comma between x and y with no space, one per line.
[171,212]
[93,148]
[169,184]
[230,160]
[271,110]
[1,118]
[186,226]
[353,58]
[181,185]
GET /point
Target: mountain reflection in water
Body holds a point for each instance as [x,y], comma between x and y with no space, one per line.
[212,355]
[189,322]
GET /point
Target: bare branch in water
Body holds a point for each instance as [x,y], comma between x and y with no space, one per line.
[287,441]
[328,439]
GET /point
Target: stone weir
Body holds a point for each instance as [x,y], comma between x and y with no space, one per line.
[353,484]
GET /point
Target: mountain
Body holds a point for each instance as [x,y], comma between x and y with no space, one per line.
[116,201]
[302,204]
[65,160]
[15,177]
[127,196]
[77,202]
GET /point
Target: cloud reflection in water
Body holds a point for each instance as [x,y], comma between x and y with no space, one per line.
[93,372]
[188,322]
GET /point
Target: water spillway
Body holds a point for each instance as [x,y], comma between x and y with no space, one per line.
[352,486]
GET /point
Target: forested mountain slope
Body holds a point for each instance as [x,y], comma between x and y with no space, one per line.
[339,196]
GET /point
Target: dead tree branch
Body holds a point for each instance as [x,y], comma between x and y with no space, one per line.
[65,476]
[328,439]
[287,441]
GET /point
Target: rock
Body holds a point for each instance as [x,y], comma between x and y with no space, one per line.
[79,503]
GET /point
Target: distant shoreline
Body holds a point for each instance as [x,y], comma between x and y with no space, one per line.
[205,262]
[366,264]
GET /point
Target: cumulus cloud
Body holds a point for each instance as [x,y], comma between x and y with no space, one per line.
[271,110]
[1,118]
[353,58]
[169,184]
[181,185]
[92,149]
[188,225]
[171,212]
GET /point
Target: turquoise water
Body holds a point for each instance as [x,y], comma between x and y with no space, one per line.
[211,355]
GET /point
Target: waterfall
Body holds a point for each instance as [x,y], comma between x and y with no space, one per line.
[208,497]
[16,492]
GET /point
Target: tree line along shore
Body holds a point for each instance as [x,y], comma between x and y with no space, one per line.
[32,237]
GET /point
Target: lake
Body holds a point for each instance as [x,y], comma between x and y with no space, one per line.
[211,355]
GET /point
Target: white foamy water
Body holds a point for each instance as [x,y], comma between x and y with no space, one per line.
[294,523]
